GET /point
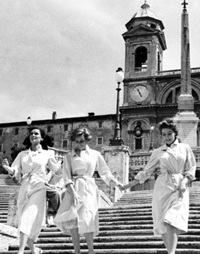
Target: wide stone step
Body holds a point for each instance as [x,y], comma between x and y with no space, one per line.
[2,216]
[3,207]
[123,217]
[118,238]
[3,221]
[117,245]
[116,233]
[8,189]
[113,251]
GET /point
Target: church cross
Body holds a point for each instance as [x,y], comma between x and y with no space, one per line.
[184,5]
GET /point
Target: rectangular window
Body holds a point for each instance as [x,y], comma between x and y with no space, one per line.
[100,125]
[138,143]
[65,143]
[16,131]
[1,132]
[100,141]
[66,127]
[49,128]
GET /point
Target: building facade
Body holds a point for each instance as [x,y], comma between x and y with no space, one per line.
[101,128]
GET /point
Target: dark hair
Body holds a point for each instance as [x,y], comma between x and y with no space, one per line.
[45,143]
[169,124]
[81,131]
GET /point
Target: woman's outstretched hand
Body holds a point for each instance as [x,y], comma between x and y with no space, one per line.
[131,184]
[5,165]
[120,186]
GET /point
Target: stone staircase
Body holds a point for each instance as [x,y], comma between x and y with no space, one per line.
[7,234]
[7,187]
[125,228]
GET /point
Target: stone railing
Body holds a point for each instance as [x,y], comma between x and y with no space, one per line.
[197,156]
[139,160]
[173,72]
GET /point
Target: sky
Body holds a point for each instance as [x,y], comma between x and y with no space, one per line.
[61,55]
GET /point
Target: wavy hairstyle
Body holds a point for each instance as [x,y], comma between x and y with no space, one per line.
[45,143]
[169,124]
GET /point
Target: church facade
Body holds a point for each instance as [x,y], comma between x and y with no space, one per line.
[150,94]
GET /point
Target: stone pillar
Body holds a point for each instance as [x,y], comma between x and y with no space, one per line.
[187,123]
[117,158]
[186,120]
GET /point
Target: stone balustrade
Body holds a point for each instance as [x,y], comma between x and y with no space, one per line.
[139,160]
[175,72]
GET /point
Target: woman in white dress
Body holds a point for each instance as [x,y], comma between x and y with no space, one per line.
[78,213]
[170,206]
[30,166]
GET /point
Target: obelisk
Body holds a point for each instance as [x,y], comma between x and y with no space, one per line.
[186,119]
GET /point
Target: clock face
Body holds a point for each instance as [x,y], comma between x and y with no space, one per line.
[139,93]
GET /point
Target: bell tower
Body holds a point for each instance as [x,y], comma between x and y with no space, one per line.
[145,42]
[144,46]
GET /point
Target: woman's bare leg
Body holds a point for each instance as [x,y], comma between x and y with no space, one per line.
[22,242]
[170,239]
[76,240]
[89,239]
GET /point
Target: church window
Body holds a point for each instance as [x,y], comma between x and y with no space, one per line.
[138,143]
[177,91]
[169,98]
[172,96]
[141,59]
[159,62]
[153,25]
[195,95]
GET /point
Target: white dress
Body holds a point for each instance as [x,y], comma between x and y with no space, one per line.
[31,168]
[174,162]
[80,170]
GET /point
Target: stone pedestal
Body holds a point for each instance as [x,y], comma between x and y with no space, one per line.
[187,123]
[117,158]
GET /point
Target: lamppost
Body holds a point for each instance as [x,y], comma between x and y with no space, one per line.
[29,121]
[117,141]
[151,138]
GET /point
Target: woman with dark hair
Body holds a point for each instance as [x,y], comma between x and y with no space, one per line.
[78,213]
[170,206]
[29,167]
[45,142]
